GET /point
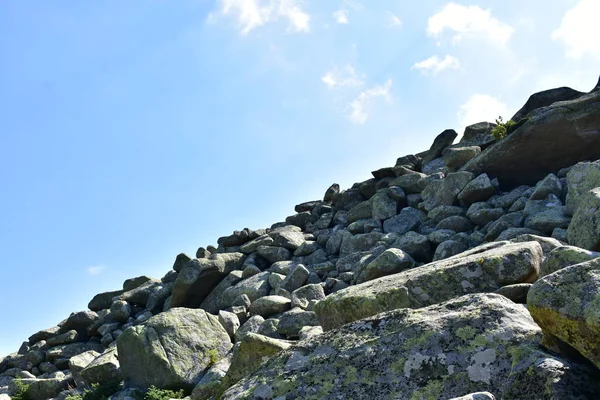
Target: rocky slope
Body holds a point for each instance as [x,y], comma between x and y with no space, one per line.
[470,269]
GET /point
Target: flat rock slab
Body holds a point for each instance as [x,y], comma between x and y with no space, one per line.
[480,342]
[433,283]
[552,138]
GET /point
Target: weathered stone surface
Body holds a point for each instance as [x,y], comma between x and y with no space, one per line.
[409,182]
[473,343]
[171,350]
[353,244]
[251,246]
[384,206]
[200,276]
[210,384]
[103,301]
[440,142]
[455,223]
[433,283]
[445,191]
[544,99]
[268,306]
[448,249]
[456,157]
[290,322]
[274,254]
[66,351]
[215,301]
[253,324]
[517,292]
[290,239]
[303,296]
[254,287]
[389,262]
[362,210]
[566,304]
[42,389]
[547,186]
[250,354]
[584,229]
[295,278]
[565,256]
[230,322]
[415,245]
[582,178]
[479,134]
[78,363]
[408,219]
[103,369]
[479,189]
[568,132]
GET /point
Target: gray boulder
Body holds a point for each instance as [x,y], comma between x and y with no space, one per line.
[433,283]
[445,191]
[565,256]
[408,219]
[568,132]
[172,349]
[200,276]
[473,343]
[565,305]
[389,262]
[584,229]
[582,178]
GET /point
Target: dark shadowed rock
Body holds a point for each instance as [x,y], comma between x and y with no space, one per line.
[544,99]
[552,138]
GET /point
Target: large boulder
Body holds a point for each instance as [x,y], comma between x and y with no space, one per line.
[566,305]
[552,138]
[544,99]
[103,369]
[584,229]
[200,276]
[433,283]
[581,178]
[172,349]
[481,342]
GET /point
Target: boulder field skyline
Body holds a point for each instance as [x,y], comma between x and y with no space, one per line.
[470,270]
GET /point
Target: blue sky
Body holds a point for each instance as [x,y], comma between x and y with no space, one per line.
[133,131]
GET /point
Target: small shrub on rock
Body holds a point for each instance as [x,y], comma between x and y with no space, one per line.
[155,393]
[21,391]
[502,128]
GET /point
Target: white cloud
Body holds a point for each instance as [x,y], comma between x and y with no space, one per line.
[359,107]
[341,16]
[395,21]
[95,269]
[345,77]
[471,21]
[579,30]
[433,65]
[251,14]
[481,108]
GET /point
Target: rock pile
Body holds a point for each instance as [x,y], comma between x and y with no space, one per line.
[471,270]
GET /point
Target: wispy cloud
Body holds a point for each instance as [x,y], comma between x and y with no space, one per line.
[395,22]
[345,77]
[481,108]
[95,269]
[359,107]
[433,65]
[579,30]
[341,16]
[471,21]
[251,14]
